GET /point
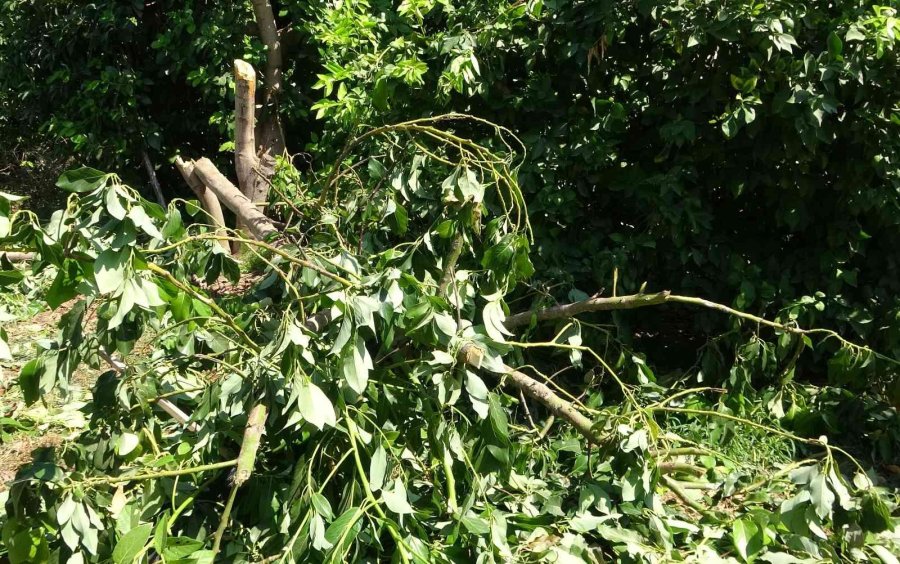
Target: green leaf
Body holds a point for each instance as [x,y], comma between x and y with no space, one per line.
[821,495]
[494,317]
[747,538]
[396,499]
[377,468]
[475,524]
[314,406]
[478,394]
[469,188]
[27,546]
[322,506]
[114,203]
[110,270]
[5,353]
[9,277]
[139,216]
[317,532]
[180,547]
[356,365]
[80,180]
[884,554]
[876,517]
[835,46]
[131,544]
[126,443]
[499,422]
[65,285]
[30,380]
[344,527]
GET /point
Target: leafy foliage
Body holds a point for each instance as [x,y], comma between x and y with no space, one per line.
[736,150]
[379,443]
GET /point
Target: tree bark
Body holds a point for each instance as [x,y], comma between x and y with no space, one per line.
[228,194]
[270,134]
[592,304]
[207,198]
[154,182]
[471,355]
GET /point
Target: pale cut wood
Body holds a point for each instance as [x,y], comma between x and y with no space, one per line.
[207,198]
[228,194]
[244,123]
[16,256]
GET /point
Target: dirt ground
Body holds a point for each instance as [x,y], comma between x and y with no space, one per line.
[25,429]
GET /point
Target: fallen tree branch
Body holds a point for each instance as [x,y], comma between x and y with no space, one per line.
[262,228]
[16,256]
[633,301]
[585,306]
[173,410]
[207,198]
[471,355]
[228,194]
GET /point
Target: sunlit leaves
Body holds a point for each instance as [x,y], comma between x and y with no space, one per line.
[82,180]
[396,498]
[111,269]
[356,364]
[314,406]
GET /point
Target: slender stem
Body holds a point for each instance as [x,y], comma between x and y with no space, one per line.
[682,495]
[452,504]
[187,502]
[223,523]
[450,263]
[161,473]
[351,431]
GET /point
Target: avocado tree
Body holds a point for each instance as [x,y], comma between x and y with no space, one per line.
[360,386]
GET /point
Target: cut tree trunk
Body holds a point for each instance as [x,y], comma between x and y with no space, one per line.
[207,198]
[245,161]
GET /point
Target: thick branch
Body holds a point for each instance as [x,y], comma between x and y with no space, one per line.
[471,355]
[635,301]
[268,33]
[207,198]
[592,304]
[258,224]
[17,257]
[256,424]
